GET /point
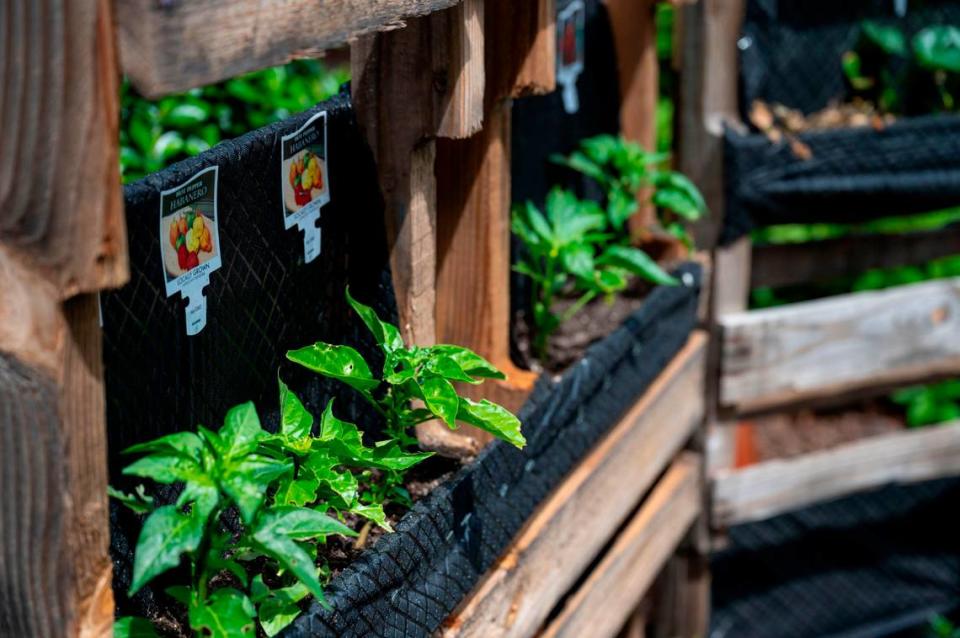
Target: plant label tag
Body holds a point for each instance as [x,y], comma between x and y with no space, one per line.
[571,19]
[190,242]
[304,179]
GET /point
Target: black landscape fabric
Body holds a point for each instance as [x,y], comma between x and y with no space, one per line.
[790,53]
[263,300]
[866,566]
[410,581]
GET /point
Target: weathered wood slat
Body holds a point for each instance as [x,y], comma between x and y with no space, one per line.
[773,487]
[573,525]
[61,212]
[174,45]
[603,603]
[840,344]
[791,264]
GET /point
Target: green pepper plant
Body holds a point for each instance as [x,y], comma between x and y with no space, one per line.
[581,248]
[222,473]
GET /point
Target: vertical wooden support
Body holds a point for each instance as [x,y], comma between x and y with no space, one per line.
[473,269]
[62,238]
[411,86]
[635,40]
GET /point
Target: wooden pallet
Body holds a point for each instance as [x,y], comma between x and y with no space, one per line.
[599,502]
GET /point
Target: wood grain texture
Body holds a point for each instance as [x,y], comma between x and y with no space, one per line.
[773,487]
[709,68]
[604,601]
[518,593]
[521,48]
[409,86]
[635,41]
[61,212]
[175,45]
[840,344]
[791,264]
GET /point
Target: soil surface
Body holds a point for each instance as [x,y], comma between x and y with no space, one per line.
[789,434]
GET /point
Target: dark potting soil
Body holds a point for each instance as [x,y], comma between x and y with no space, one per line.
[170,617]
[789,434]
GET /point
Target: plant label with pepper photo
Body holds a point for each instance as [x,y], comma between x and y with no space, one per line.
[303,175]
[571,18]
[190,241]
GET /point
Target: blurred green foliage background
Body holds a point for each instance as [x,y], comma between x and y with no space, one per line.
[157,133]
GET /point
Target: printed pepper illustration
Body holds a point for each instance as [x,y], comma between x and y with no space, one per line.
[305,174]
[190,235]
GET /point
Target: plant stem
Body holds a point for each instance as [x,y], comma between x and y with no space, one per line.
[580,303]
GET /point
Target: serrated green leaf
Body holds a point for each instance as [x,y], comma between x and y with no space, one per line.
[133,627]
[441,398]
[298,491]
[337,362]
[492,418]
[241,431]
[373,513]
[386,334]
[295,421]
[227,613]
[166,535]
[637,262]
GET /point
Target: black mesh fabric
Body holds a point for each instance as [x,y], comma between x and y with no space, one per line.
[869,565]
[408,583]
[263,300]
[790,53]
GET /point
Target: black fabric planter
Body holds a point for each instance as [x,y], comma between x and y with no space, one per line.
[409,582]
[865,566]
[790,53]
[263,300]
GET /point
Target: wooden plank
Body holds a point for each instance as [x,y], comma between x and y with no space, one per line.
[61,212]
[635,41]
[840,344]
[409,86]
[709,30]
[792,264]
[604,601]
[62,236]
[473,199]
[173,45]
[767,489]
[518,593]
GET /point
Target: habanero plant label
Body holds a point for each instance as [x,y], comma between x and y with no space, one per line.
[305,183]
[571,19]
[190,242]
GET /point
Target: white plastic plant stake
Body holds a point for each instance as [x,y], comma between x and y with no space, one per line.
[304,180]
[190,242]
[571,20]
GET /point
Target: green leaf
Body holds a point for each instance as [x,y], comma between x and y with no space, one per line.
[578,260]
[298,491]
[611,279]
[217,562]
[538,224]
[938,47]
[393,457]
[185,115]
[166,535]
[620,206]
[246,481]
[386,334]
[295,421]
[337,362]
[492,418]
[572,218]
[637,262]
[186,443]
[227,613]
[275,614]
[165,468]
[373,513]
[139,502]
[888,38]
[471,363]
[582,164]
[448,368]
[677,193]
[241,431]
[334,429]
[133,627]
[167,145]
[441,398]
